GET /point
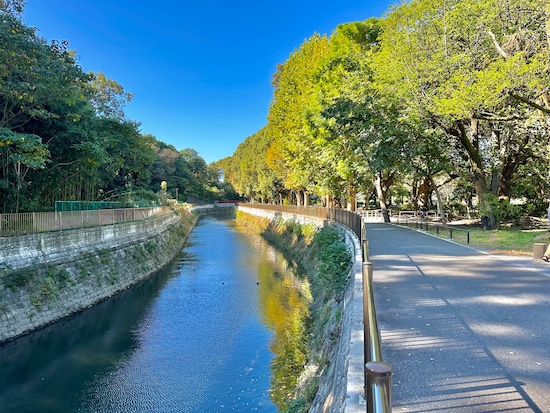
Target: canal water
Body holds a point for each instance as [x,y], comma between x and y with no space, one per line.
[218,331]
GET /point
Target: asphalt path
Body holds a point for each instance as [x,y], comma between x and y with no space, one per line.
[464,331]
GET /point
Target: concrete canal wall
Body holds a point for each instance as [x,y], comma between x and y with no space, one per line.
[48,276]
[341,388]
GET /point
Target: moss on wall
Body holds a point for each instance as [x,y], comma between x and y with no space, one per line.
[45,292]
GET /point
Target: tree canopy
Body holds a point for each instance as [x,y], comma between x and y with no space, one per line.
[64,134]
[438,97]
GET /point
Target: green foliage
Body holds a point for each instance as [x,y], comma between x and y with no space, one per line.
[104,255]
[65,131]
[309,231]
[15,279]
[435,96]
[503,210]
[335,259]
[302,404]
[248,168]
[150,246]
[293,227]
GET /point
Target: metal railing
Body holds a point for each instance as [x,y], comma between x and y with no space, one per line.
[377,214]
[348,218]
[434,228]
[377,374]
[33,222]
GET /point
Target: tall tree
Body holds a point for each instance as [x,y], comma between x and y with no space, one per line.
[461,65]
[34,78]
[294,88]
[344,109]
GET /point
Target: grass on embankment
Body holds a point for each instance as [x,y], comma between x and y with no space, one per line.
[323,257]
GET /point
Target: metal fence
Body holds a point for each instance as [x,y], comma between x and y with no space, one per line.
[61,206]
[33,222]
[350,219]
[436,228]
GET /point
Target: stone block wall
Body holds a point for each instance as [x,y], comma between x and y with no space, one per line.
[48,276]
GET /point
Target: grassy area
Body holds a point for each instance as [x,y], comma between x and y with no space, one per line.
[508,241]
[513,241]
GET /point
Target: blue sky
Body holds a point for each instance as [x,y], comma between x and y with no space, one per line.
[200,71]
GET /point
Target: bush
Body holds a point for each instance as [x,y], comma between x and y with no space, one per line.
[334,261]
[14,279]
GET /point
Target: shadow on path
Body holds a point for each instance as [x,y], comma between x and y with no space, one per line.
[463,330]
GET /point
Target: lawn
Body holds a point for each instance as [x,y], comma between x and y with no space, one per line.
[508,241]
[513,241]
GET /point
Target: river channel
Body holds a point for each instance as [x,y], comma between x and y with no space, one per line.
[217,331]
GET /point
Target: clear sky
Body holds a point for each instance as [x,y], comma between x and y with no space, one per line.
[200,70]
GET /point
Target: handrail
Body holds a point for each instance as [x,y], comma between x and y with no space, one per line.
[377,373]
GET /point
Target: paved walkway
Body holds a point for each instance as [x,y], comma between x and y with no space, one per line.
[464,331]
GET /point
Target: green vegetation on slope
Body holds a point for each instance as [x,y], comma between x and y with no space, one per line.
[322,255]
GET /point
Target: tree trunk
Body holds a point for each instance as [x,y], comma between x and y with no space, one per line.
[476,164]
[425,188]
[352,199]
[298,196]
[381,191]
[440,210]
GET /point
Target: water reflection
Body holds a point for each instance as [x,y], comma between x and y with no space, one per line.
[201,336]
[284,298]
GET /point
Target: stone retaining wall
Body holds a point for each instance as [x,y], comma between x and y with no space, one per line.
[341,389]
[49,276]
[271,215]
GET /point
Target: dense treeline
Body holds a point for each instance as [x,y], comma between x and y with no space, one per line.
[64,135]
[439,101]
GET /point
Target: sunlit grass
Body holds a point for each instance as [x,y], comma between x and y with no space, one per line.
[508,241]
[513,241]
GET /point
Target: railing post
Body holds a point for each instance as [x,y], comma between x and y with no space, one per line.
[371,334]
[365,245]
[365,273]
[379,377]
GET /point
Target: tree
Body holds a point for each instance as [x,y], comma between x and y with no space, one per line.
[35,78]
[294,88]
[14,7]
[248,168]
[459,66]
[21,152]
[107,96]
[344,108]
